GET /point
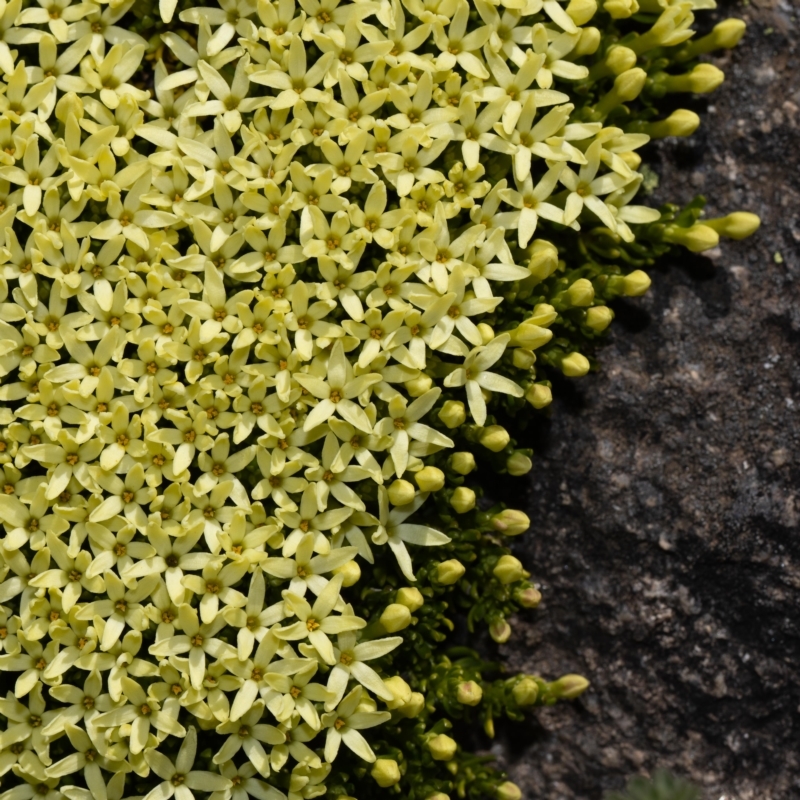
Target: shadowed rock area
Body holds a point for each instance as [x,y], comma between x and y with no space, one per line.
[664,496]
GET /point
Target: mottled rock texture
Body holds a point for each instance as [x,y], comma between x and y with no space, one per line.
[665,496]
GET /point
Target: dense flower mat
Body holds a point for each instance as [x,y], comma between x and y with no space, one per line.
[275,277]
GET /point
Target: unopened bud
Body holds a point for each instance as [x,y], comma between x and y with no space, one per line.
[494,438]
[632,159]
[410,597]
[728,33]
[413,707]
[500,631]
[525,692]
[486,332]
[636,283]
[544,259]
[681,122]
[511,522]
[448,572]
[351,572]
[429,479]
[568,687]
[438,796]
[575,365]
[523,359]
[621,9]
[529,598]
[453,413]
[509,569]
[543,314]
[442,747]
[539,395]
[588,43]
[401,492]
[697,238]
[620,59]
[531,336]
[598,318]
[581,11]
[580,293]
[385,772]
[462,500]
[738,225]
[518,464]
[629,84]
[469,693]
[463,463]
[401,692]
[395,617]
[416,387]
[702,79]
[508,791]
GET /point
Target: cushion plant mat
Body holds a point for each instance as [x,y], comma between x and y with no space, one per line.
[281,282]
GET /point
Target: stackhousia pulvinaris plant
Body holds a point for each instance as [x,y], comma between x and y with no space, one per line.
[277,279]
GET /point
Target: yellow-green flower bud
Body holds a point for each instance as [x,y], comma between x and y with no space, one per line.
[453,413]
[351,572]
[401,692]
[413,707]
[395,617]
[544,259]
[702,79]
[581,11]
[416,387]
[728,33]
[568,687]
[575,365]
[525,692]
[463,463]
[588,43]
[385,772]
[738,225]
[681,122]
[621,9]
[636,283]
[633,160]
[698,238]
[598,318]
[410,597]
[494,438]
[462,500]
[523,359]
[530,336]
[511,522]
[442,747]
[500,631]
[486,332]
[508,791]
[620,59]
[543,314]
[509,569]
[529,598]
[469,693]
[429,479]
[629,84]
[448,572]
[539,395]
[581,293]
[518,464]
[401,492]
[438,796]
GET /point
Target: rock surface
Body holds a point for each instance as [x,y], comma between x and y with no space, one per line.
[665,497]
